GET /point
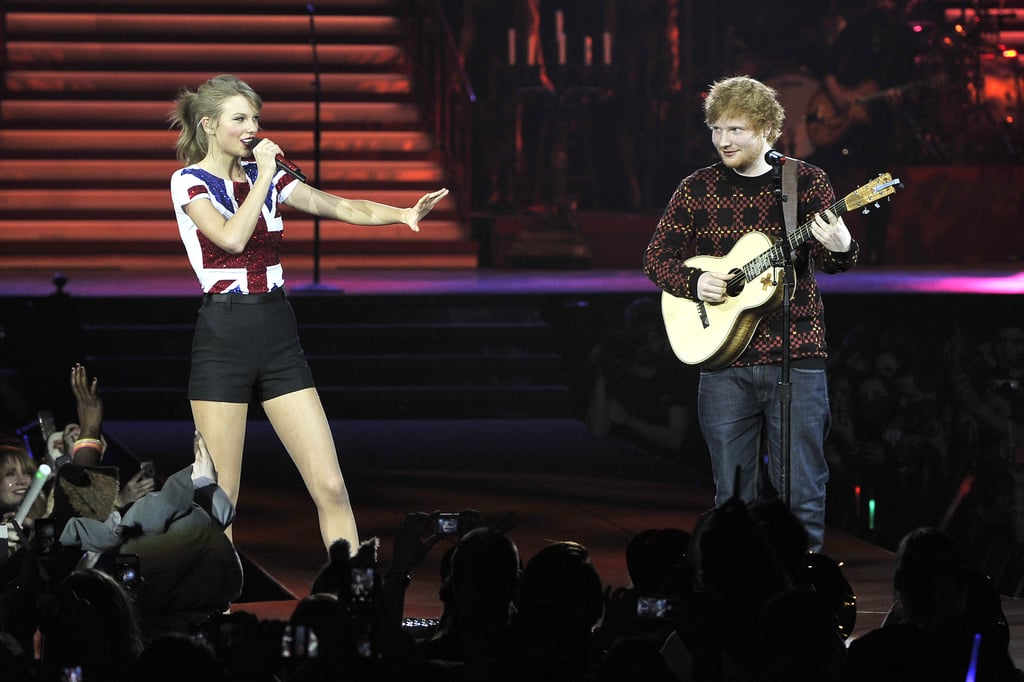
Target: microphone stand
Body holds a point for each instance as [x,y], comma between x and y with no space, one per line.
[316,285]
[788,277]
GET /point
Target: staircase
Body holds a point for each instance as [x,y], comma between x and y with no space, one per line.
[87,154]
[465,356]
[372,357]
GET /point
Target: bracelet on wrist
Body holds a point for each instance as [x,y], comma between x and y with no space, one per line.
[90,443]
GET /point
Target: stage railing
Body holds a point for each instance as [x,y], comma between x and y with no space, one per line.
[441,80]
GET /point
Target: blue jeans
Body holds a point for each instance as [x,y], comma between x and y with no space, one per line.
[732,404]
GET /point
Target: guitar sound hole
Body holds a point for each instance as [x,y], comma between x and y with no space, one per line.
[735,285]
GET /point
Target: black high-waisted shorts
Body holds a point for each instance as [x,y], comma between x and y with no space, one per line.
[246,346]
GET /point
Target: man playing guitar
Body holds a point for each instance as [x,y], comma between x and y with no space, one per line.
[851,121]
[711,211]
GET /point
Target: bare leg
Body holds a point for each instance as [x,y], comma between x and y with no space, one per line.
[223,429]
[300,423]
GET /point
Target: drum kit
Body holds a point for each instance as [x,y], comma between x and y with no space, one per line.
[964,104]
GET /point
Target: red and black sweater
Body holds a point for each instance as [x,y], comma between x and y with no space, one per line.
[709,212]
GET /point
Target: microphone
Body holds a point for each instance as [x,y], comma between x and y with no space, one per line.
[282,163]
[775,158]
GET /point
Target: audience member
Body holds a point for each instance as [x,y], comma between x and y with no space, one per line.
[187,567]
[632,659]
[986,511]
[798,640]
[658,604]
[928,635]
[641,392]
[30,561]
[176,657]
[559,604]
[413,540]
[89,625]
[15,660]
[481,587]
[317,641]
[17,469]
[737,572]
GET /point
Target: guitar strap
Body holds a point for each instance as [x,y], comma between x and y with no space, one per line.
[790,196]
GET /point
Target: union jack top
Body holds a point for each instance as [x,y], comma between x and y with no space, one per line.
[257,269]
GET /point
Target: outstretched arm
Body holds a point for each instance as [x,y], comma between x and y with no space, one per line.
[362,211]
[88,449]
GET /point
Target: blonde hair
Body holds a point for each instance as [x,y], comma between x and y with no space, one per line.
[206,102]
[743,96]
[13,453]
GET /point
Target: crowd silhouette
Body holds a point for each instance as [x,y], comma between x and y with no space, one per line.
[926,431]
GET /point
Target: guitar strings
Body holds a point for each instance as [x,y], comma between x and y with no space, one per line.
[752,269]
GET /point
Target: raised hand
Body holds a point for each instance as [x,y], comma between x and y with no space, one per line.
[134,488]
[413,216]
[88,401]
[413,541]
[203,465]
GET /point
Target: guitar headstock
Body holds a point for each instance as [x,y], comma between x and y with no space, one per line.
[880,187]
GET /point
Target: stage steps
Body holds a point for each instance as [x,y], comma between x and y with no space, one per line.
[372,356]
[87,154]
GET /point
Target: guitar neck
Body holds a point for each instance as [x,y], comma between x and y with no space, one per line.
[882,186]
[766,260]
[878,94]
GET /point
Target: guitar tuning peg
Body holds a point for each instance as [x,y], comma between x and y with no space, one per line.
[866,211]
[878,205]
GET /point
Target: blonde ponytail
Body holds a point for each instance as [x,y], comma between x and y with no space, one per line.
[191,108]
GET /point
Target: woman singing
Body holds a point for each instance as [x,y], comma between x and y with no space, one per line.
[226,200]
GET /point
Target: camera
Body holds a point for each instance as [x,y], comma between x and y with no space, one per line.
[361,584]
[148,469]
[71,674]
[447,524]
[126,571]
[299,641]
[656,607]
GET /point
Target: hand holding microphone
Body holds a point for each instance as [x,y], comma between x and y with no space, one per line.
[282,163]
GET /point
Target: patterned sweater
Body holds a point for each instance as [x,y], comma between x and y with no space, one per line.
[709,212]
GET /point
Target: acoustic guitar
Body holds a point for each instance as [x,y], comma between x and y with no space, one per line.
[714,335]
